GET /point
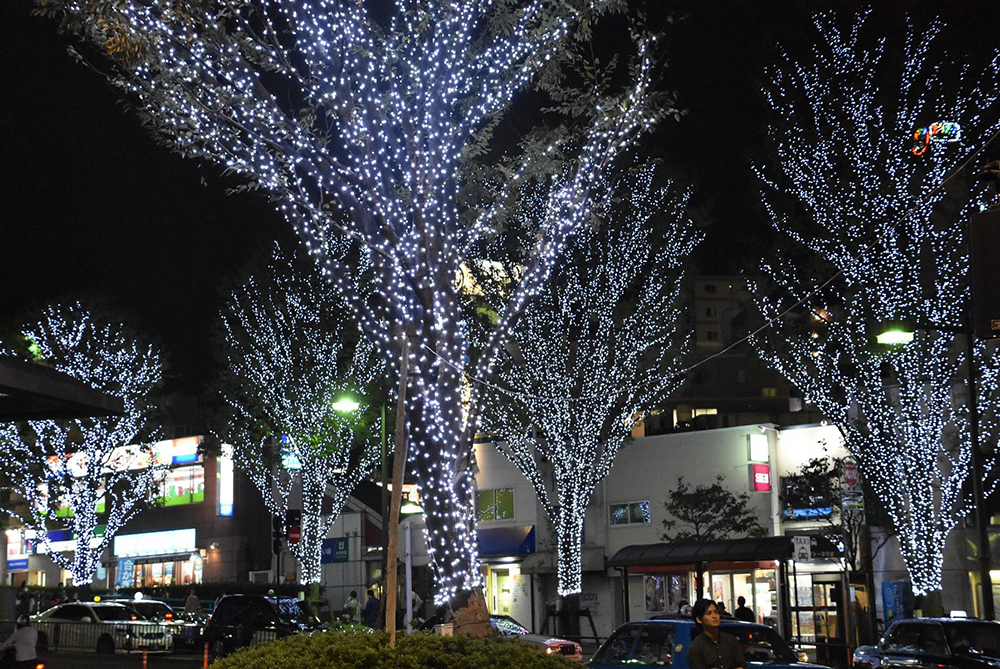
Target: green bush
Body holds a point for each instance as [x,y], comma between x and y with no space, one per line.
[421,650]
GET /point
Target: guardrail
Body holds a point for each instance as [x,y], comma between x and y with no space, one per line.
[114,637]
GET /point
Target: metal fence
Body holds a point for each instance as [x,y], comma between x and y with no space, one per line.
[96,637]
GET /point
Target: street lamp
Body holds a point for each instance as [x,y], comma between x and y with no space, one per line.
[901,332]
[345,405]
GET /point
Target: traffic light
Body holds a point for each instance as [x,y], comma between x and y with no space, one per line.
[276,546]
[293,519]
[277,529]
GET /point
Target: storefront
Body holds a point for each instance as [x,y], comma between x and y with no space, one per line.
[509,591]
[659,578]
[163,558]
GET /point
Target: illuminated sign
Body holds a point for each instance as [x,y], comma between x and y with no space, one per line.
[758,447]
[155,543]
[225,479]
[760,478]
[942,131]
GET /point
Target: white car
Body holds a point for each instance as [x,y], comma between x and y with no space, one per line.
[105,627]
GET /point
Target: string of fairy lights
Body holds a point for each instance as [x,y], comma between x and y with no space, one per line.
[68,473]
[284,335]
[899,410]
[610,320]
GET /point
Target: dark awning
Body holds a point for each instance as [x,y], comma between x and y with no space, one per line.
[688,552]
[36,392]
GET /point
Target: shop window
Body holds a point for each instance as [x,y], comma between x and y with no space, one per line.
[495,504]
[630,513]
[182,485]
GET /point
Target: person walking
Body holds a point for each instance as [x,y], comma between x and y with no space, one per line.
[743,612]
[24,602]
[371,609]
[23,641]
[192,605]
[713,648]
[352,607]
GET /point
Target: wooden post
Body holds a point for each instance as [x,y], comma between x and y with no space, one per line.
[398,467]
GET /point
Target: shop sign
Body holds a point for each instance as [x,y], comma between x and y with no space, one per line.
[760,478]
[802,549]
[18,564]
[851,475]
[335,550]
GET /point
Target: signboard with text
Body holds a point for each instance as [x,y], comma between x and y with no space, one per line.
[335,550]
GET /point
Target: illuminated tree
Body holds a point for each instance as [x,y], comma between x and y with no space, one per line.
[80,475]
[363,128]
[855,183]
[286,357]
[589,358]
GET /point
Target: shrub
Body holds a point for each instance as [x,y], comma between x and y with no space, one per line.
[421,650]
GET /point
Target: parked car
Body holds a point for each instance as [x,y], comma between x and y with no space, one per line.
[961,643]
[187,630]
[102,626]
[246,620]
[664,641]
[508,627]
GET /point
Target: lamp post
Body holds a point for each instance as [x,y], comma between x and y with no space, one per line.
[901,332]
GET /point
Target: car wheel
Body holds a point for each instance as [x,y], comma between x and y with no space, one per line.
[43,643]
[218,648]
[106,645]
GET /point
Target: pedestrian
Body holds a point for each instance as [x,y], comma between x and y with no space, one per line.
[23,603]
[684,608]
[59,596]
[713,648]
[743,612]
[722,608]
[371,609]
[24,641]
[192,605]
[352,608]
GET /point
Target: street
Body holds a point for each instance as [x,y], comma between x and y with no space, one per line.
[120,661]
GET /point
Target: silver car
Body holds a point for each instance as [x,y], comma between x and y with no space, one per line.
[104,627]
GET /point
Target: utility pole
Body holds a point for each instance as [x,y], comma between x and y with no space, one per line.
[398,467]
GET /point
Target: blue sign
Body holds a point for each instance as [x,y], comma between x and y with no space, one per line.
[334,550]
[20,564]
[126,568]
[895,600]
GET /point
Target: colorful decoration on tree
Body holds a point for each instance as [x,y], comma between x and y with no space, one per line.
[79,475]
[944,131]
[292,430]
[594,354]
[871,214]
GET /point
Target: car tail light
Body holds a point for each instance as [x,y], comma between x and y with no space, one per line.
[40,665]
[169,617]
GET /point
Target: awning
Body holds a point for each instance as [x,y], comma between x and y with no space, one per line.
[690,552]
[545,562]
[513,540]
[154,559]
[36,392]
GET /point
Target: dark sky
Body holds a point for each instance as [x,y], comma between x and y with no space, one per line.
[91,203]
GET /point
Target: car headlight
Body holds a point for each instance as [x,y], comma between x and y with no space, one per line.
[549,650]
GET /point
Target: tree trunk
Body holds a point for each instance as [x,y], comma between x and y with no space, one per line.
[569,537]
[310,549]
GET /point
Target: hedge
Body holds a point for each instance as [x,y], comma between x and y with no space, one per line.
[421,650]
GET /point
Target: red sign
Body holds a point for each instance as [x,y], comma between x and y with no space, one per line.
[851,476]
[294,534]
[760,478]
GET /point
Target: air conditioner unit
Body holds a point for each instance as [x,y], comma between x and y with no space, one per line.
[261,576]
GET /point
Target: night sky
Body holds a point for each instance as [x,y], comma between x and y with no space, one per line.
[91,203]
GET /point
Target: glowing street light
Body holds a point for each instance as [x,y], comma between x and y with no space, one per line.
[345,405]
[895,333]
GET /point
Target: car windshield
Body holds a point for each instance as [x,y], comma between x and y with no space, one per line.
[761,644]
[507,626]
[296,612]
[618,647]
[116,613]
[153,610]
[974,638]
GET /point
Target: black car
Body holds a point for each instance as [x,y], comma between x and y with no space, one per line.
[246,620]
[934,642]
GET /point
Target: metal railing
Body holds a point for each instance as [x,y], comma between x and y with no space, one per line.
[108,637]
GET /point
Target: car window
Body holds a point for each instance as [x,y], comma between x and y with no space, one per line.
[904,637]
[294,611]
[618,648]
[655,646]
[223,613]
[974,638]
[761,644]
[117,613]
[71,612]
[152,610]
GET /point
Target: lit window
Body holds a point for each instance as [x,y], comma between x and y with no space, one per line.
[495,504]
[630,513]
[704,412]
[769,392]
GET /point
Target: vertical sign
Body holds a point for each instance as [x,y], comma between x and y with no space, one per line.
[760,478]
[225,480]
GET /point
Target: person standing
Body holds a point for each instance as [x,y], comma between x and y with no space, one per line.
[352,607]
[743,612]
[23,640]
[24,604]
[371,609]
[713,648]
[192,605]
